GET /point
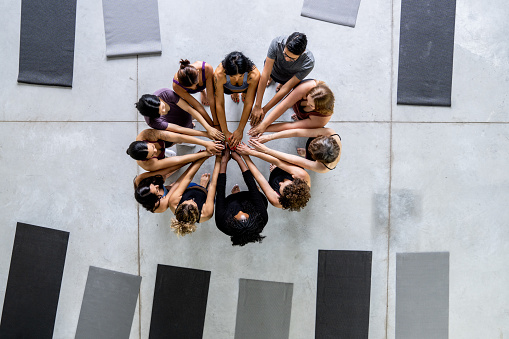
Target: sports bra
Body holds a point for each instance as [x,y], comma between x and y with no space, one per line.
[196,192]
[233,88]
[308,154]
[276,176]
[199,88]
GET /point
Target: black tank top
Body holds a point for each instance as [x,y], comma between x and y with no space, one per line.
[276,176]
[197,193]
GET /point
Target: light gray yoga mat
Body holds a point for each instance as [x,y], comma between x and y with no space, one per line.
[422,295]
[108,306]
[263,309]
[131,27]
[341,12]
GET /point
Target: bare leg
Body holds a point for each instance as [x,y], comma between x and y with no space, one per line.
[204,180]
[203,98]
[243,95]
[269,81]
[235,97]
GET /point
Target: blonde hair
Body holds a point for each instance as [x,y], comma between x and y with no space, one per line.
[186,217]
[323,98]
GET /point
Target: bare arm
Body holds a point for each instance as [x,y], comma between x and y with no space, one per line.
[212,133]
[184,130]
[209,74]
[283,91]
[294,96]
[313,122]
[154,135]
[219,81]
[207,210]
[315,166]
[155,164]
[258,113]
[182,183]
[183,94]
[264,184]
[298,132]
[165,173]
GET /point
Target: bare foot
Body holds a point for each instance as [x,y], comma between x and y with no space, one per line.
[295,117]
[301,151]
[278,87]
[204,180]
[235,97]
[271,167]
[243,96]
[235,189]
[269,81]
[204,99]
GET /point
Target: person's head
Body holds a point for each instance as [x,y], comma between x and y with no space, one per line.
[186,217]
[296,43]
[321,99]
[149,192]
[294,195]
[142,150]
[237,63]
[324,149]
[149,105]
[245,228]
[188,75]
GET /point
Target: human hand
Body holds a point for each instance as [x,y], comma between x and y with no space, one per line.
[257,145]
[236,155]
[257,115]
[215,134]
[243,149]
[214,147]
[235,139]
[226,156]
[263,138]
[257,130]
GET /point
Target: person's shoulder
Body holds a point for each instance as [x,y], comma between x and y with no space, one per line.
[162,91]
[309,57]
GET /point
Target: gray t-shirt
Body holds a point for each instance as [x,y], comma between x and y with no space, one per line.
[284,70]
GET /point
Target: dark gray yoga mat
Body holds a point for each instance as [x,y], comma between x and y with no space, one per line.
[108,306]
[341,12]
[46,52]
[180,302]
[263,309]
[343,294]
[422,295]
[426,46]
[33,286]
[131,27]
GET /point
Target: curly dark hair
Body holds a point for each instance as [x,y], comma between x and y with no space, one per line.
[295,196]
[244,232]
[142,193]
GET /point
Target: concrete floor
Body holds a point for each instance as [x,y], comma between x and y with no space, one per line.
[411,179]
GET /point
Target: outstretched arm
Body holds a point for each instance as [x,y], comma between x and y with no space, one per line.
[165,173]
[180,160]
[207,210]
[181,184]
[212,133]
[184,130]
[283,91]
[294,96]
[312,122]
[219,81]
[264,184]
[258,113]
[183,94]
[291,133]
[154,135]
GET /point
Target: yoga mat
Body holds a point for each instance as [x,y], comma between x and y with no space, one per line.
[108,306]
[131,27]
[263,309]
[46,51]
[180,301]
[426,45]
[33,285]
[422,295]
[343,292]
[341,12]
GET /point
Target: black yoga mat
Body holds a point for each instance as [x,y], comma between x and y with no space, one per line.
[180,301]
[46,52]
[108,306]
[426,47]
[33,286]
[343,294]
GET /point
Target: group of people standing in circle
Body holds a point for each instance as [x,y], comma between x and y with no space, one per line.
[170,112]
